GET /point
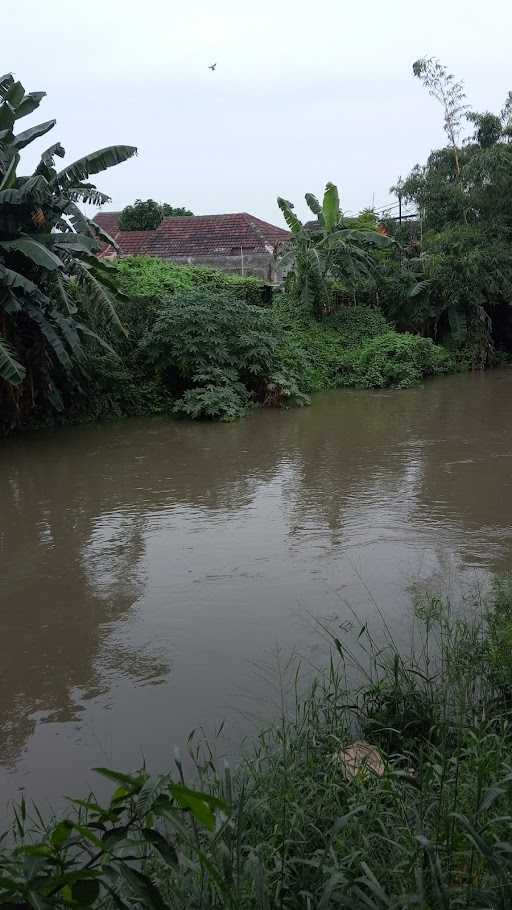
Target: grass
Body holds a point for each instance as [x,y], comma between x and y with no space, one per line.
[291,828]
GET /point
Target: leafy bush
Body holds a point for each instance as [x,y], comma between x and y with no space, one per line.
[354,347]
[215,353]
[104,854]
[147,276]
[393,360]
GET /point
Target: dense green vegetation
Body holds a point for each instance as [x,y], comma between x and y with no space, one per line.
[365,304]
[146,214]
[397,795]
[459,250]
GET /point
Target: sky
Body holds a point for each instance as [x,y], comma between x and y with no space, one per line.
[303,92]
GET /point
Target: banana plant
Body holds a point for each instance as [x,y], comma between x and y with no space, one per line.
[327,251]
[48,251]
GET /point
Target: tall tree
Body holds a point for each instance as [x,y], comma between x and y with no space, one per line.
[443,86]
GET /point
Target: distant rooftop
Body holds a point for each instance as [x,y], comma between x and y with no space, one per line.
[198,235]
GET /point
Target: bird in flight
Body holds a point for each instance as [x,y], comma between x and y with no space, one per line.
[213,67]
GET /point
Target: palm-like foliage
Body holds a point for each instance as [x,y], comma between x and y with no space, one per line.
[327,250]
[47,252]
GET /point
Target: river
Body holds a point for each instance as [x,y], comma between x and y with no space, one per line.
[151,570]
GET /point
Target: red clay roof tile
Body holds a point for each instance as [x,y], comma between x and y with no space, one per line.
[200,235]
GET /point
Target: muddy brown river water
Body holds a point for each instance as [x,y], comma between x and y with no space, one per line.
[149,569]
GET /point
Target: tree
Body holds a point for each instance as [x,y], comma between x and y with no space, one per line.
[47,260]
[464,196]
[147,214]
[444,88]
[332,249]
[170,211]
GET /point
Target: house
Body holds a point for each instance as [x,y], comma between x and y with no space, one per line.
[240,243]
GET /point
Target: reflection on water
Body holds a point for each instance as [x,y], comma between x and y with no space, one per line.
[147,565]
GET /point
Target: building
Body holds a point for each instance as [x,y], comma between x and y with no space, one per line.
[240,243]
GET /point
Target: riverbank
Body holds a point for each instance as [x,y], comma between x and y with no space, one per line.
[199,344]
[417,817]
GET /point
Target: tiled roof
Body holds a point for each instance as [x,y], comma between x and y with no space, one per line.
[200,235]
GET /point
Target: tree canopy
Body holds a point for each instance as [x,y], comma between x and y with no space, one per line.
[147,214]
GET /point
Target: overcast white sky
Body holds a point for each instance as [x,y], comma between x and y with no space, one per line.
[304,92]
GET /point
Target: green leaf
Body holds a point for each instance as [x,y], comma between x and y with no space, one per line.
[331,207]
[6,116]
[5,83]
[289,215]
[9,178]
[85,330]
[98,295]
[18,282]
[89,835]
[87,192]
[37,252]
[75,243]
[11,370]
[85,891]
[143,889]
[134,782]
[166,850]
[313,204]
[23,139]
[94,164]
[31,101]
[61,833]
[15,94]
[199,804]
[47,329]
[102,235]
[115,836]
[46,164]
[67,325]
[33,191]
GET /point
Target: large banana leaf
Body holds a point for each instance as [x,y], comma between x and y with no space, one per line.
[289,215]
[313,204]
[331,207]
[5,83]
[73,243]
[102,235]
[29,104]
[15,94]
[35,132]
[32,249]
[46,166]
[11,370]
[94,164]
[34,190]
[97,292]
[17,282]
[87,192]
[48,330]
[9,174]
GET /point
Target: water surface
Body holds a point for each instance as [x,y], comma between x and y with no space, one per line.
[148,568]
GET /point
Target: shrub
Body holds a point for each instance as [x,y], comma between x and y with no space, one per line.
[216,354]
[147,276]
[393,360]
